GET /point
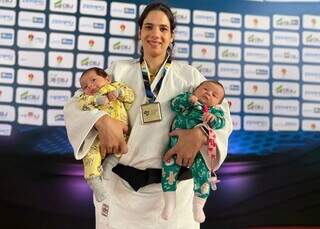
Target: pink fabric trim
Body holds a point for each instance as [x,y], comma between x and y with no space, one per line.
[212,146]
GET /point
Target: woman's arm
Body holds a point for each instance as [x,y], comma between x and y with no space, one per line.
[110,133]
[79,125]
[191,141]
[188,145]
[84,126]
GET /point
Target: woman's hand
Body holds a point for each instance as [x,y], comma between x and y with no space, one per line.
[187,147]
[111,137]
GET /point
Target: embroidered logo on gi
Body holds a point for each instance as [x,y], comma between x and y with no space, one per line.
[105,210]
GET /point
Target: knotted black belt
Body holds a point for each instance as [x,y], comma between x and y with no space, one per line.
[138,178]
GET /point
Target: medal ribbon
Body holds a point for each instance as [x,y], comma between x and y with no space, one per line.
[151,96]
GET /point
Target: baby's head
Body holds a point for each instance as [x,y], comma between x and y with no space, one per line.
[93,79]
[210,92]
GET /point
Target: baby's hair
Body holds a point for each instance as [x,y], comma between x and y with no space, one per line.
[98,71]
[214,82]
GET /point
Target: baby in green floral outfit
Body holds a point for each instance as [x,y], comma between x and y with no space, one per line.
[201,106]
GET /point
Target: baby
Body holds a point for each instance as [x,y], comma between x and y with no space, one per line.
[202,106]
[115,99]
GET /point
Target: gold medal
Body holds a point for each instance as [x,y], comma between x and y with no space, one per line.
[150,112]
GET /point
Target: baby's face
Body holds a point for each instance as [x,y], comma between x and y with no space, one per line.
[91,82]
[209,94]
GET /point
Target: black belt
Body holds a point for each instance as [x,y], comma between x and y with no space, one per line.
[138,178]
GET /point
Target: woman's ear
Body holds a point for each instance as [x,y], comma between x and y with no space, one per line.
[172,38]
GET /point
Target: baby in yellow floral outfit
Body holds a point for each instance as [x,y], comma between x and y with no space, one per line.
[115,99]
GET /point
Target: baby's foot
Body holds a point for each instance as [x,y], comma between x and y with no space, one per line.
[198,214]
[169,204]
[98,188]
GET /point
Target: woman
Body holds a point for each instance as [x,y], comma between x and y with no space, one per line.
[134,195]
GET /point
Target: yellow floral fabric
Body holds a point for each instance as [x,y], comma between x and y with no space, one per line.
[117,109]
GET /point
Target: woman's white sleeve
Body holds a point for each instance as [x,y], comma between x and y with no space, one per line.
[222,134]
[79,125]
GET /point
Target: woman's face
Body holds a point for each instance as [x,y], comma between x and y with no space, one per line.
[155,34]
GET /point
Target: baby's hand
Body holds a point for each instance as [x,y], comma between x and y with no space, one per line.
[193,99]
[208,117]
[102,100]
[113,95]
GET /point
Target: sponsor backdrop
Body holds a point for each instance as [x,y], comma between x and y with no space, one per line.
[267,55]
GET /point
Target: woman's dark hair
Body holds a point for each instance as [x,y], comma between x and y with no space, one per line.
[167,11]
[98,71]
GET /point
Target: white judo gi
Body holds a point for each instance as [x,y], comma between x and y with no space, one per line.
[124,208]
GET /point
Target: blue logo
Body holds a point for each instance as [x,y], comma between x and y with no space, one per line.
[37,20]
[209,35]
[66,41]
[235,20]
[98,25]
[129,10]
[7,36]
[182,50]
[6,75]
